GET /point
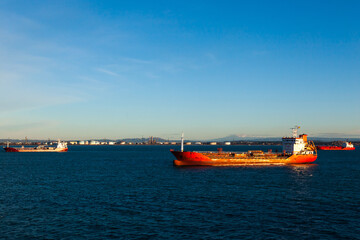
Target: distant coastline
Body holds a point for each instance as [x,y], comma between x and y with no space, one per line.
[160,141]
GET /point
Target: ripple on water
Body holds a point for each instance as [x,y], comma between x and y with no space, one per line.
[129,192]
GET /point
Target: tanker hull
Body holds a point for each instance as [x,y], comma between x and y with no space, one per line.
[334,148]
[231,159]
[10,149]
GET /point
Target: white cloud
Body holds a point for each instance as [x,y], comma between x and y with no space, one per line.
[108,72]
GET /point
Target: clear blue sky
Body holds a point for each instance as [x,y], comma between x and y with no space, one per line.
[116,69]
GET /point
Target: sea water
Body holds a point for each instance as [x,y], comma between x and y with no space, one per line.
[135,192]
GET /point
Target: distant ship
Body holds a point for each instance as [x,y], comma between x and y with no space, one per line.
[344,146]
[296,150]
[61,147]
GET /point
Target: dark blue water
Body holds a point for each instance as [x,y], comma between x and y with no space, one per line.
[134,192]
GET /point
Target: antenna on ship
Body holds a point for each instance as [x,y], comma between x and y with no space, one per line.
[182,142]
[294,131]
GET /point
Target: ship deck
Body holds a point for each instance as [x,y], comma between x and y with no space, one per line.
[245,155]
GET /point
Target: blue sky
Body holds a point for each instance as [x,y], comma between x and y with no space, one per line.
[116,69]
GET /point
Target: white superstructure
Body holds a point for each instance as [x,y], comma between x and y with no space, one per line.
[347,145]
[61,145]
[297,145]
[293,145]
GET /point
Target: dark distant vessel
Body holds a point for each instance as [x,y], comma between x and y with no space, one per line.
[344,146]
[296,150]
[61,147]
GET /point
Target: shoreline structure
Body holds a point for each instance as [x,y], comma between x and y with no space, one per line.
[160,143]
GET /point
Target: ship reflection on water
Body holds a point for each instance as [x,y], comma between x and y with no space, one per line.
[302,171]
[302,167]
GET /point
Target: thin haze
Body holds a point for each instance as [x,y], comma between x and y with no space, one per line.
[117,69]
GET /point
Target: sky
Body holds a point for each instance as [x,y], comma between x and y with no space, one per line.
[120,69]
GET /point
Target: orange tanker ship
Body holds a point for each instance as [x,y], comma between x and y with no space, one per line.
[296,150]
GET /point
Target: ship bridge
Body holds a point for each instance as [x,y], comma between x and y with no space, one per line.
[296,144]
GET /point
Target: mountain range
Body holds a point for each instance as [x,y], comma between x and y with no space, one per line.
[235,137]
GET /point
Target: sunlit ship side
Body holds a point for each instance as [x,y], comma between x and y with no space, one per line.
[344,146]
[61,147]
[296,150]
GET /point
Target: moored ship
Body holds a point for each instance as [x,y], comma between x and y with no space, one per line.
[344,146]
[296,150]
[61,147]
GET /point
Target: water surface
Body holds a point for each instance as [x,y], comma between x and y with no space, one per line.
[134,192]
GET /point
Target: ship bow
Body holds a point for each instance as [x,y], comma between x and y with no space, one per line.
[189,158]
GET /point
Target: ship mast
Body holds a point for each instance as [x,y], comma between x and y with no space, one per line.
[182,142]
[295,131]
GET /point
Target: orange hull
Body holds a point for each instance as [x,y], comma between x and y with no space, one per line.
[224,159]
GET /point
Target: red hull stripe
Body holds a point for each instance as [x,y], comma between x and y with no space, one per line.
[334,148]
